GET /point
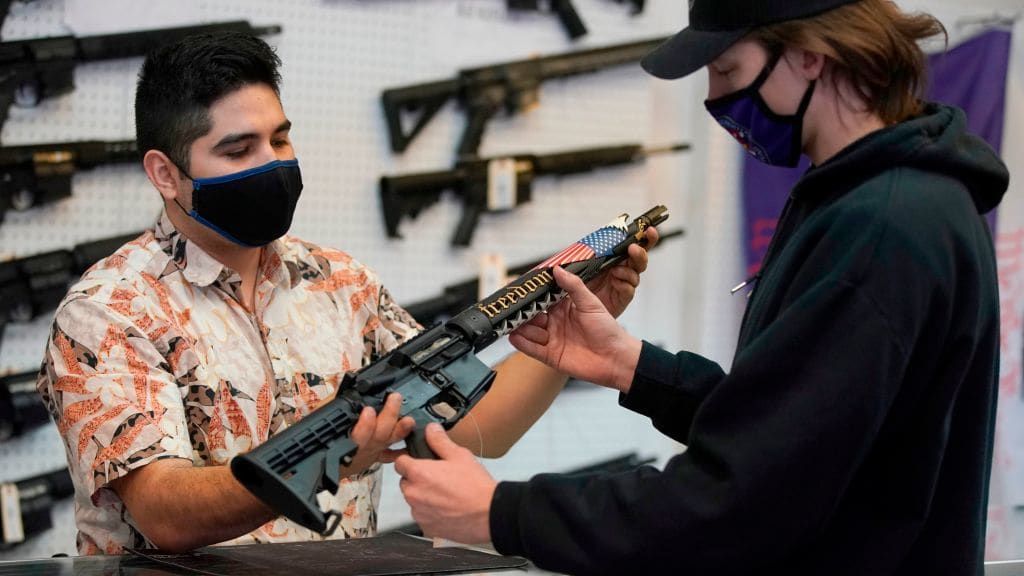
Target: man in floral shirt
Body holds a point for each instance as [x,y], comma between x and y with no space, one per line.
[202,338]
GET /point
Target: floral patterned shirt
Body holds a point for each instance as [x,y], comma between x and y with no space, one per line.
[152,356]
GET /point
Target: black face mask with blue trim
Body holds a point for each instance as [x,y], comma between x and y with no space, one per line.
[251,208]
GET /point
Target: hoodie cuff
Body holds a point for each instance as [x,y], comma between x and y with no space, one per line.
[504,518]
[655,372]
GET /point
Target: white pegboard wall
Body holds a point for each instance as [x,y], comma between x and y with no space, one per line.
[337,57]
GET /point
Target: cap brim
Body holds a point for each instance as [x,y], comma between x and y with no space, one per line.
[689,51]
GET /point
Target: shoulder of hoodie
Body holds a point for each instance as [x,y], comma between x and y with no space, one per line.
[917,204]
[912,188]
[912,222]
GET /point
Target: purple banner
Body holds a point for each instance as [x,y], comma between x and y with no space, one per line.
[971,76]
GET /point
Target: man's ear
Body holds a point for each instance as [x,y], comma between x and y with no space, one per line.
[163,173]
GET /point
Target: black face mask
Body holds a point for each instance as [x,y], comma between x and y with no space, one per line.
[251,208]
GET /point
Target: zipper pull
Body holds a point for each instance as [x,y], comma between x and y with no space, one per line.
[745,283]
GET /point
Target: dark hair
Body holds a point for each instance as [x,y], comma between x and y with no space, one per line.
[179,82]
[874,45]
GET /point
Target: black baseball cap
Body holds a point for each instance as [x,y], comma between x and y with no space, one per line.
[715,25]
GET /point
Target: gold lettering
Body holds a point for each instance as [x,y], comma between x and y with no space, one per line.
[489,310]
[514,294]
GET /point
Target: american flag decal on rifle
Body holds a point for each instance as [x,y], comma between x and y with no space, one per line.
[597,244]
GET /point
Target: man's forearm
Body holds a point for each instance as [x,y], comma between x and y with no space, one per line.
[178,506]
[522,391]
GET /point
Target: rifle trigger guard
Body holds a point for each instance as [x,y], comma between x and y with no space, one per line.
[333,520]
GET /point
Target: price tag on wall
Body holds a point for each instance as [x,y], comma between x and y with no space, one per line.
[501,184]
[10,514]
[493,275]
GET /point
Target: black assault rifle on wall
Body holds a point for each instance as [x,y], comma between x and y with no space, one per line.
[35,69]
[483,92]
[36,284]
[566,12]
[39,174]
[495,184]
[437,373]
[456,297]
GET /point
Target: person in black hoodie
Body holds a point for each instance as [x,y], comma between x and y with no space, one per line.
[853,434]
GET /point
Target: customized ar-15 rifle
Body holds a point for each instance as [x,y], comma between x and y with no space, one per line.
[484,91]
[35,284]
[27,505]
[456,297]
[31,70]
[495,184]
[437,374]
[41,173]
[566,12]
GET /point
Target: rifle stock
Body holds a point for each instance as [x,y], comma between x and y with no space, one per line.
[424,99]
[407,195]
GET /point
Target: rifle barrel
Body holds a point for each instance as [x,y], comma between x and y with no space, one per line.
[139,43]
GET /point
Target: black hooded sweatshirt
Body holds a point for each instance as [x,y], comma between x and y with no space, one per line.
[854,432]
